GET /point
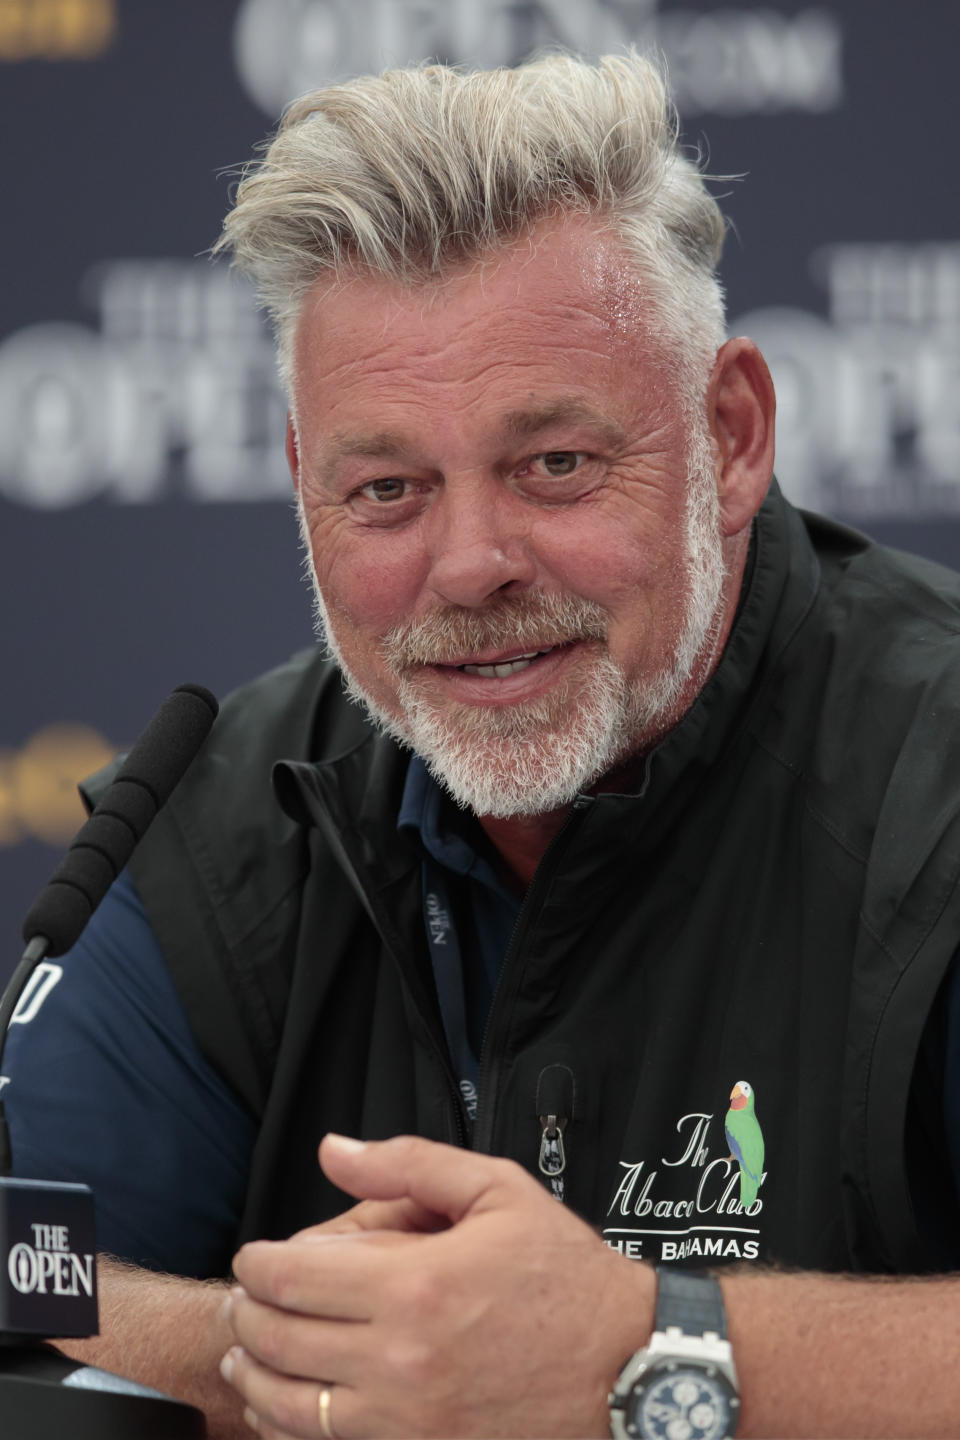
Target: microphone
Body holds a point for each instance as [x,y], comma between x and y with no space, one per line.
[47,1242]
[101,849]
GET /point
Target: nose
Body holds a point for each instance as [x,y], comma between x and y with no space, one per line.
[478,542]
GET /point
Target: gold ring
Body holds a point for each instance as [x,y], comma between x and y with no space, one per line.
[323,1409]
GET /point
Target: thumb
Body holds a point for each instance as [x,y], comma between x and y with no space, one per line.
[440,1178]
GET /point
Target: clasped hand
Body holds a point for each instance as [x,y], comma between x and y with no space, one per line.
[457,1299]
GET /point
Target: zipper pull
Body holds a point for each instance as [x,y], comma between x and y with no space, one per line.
[554,1112]
[553,1156]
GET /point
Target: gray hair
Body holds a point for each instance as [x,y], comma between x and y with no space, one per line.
[408,173]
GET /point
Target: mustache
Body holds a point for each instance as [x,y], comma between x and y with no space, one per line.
[527,622]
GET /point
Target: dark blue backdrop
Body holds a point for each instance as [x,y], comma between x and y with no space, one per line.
[145,529]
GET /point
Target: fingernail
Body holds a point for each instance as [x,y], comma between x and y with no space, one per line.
[227,1364]
[345,1143]
[250,1418]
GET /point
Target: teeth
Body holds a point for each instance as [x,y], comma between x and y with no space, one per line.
[508,667]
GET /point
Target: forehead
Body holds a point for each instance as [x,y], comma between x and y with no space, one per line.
[562,311]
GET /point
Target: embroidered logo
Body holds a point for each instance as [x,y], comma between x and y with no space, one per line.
[745,1138]
[694,1202]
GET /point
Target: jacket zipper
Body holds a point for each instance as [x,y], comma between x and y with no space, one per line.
[479,1136]
[394,944]
[554,1107]
[339,842]
[489,1068]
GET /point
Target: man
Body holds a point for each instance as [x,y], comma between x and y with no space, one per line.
[663,906]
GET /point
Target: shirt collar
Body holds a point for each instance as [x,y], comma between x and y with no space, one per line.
[429,812]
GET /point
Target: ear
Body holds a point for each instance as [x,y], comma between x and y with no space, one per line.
[741,406]
[293,449]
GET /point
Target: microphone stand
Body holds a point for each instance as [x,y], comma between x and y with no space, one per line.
[43,1393]
[47,1227]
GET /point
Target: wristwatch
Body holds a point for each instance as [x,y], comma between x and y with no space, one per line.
[683,1385]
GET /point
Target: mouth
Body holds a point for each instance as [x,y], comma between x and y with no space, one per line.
[501,676]
[485,651]
[509,665]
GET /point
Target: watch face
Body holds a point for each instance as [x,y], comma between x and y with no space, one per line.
[682,1402]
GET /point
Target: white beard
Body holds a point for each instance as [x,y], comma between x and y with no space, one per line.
[537,756]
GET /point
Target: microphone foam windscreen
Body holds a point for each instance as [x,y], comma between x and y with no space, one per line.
[131,802]
[162,753]
[59,913]
[102,847]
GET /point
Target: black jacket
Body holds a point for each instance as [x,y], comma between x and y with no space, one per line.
[777,903]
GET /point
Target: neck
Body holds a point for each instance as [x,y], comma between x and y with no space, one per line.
[520,841]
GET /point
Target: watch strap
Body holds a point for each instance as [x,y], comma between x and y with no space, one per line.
[690,1301]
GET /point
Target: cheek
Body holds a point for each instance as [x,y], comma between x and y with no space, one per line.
[370,579]
[598,554]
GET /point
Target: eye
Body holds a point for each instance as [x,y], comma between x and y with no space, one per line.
[558,463]
[385,490]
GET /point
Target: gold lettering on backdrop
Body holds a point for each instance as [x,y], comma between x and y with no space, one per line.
[38,784]
[56,29]
[10,831]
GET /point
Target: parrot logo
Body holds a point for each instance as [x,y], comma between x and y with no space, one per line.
[745,1138]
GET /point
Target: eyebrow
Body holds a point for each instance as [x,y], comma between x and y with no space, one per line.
[341,445]
[521,424]
[366,442]
[518,424]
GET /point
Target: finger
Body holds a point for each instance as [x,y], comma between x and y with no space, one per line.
[284,1406]
[336,1277]
[442,1179]
[336,1351]
[404,1215]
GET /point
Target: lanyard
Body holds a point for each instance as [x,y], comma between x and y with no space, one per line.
[447,961]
